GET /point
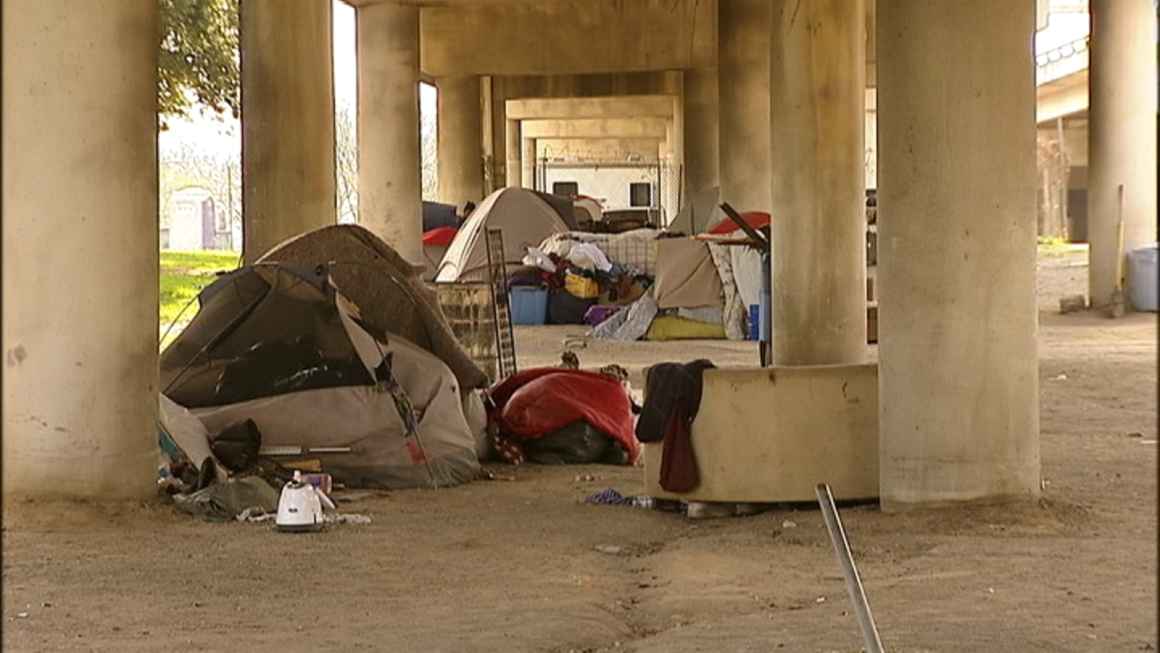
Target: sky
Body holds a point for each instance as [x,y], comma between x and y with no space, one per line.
[221,136]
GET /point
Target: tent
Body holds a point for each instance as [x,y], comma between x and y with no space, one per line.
[385,287]
[561,205]
[283,347]
[588,209]
[435,244]
[526,220]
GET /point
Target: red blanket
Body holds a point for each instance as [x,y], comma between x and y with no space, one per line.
[535,402]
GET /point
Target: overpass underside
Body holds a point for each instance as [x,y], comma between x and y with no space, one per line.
[765,99]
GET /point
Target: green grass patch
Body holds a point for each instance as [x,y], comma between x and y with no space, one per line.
[1057,246]
[183,275]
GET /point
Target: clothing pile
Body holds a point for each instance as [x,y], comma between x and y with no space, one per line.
[584,286]
[671,402]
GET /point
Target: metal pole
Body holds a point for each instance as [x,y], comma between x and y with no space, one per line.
[846,560]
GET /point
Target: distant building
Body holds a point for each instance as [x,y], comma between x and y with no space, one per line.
[196,222]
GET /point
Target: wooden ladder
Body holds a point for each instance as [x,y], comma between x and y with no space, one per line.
[505,344]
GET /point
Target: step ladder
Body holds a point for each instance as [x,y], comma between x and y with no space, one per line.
[505,344]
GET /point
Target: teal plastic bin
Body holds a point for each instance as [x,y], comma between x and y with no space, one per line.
[529,305]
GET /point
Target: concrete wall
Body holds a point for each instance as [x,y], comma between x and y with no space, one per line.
[773,434]
[80,249]
[959,379]
[1121,136]
[504,88]
[743,79]
[568,37]
[288,173]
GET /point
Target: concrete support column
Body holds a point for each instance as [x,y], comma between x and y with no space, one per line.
[1121,135]
[390,191]
[288,174]
[743,70]
[513,168]
[528,162]
[958,371]
[80,249]
[460,140]
[701,131]
[817,89]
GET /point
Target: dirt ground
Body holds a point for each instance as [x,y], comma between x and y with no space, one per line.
[513,565]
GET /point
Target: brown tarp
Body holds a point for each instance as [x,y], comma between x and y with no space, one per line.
[385,287]
[686,276]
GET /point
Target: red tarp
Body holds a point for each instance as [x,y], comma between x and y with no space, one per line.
[439,237]
[542,400]
[755,219]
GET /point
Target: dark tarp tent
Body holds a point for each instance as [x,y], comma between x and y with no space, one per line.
[283,347]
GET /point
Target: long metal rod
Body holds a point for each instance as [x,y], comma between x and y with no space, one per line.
[849,570]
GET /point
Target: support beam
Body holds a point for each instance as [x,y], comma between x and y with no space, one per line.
[460,140]
[958,394]
[1121,135]
[701,135]
[743,70]
[288,174]
[80,249]
[528,162]
[817,95]
[513,166]
[657,128]
[390,193]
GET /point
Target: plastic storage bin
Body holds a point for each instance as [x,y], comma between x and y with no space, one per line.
[1143,274]
[529,305]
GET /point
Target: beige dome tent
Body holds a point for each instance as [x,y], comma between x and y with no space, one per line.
[385,287]
[526,220]
[281,346]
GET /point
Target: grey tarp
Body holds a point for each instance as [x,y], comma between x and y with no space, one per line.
[630,323]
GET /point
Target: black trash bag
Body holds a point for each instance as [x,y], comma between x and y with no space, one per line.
[236,447]
[578,443]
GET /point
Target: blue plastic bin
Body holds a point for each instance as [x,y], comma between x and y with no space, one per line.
[529,305]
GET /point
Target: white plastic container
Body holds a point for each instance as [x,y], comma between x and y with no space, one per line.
[1143,270]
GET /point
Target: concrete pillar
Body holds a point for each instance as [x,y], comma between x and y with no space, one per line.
[390,192]
[512,166]
[1121,134]
[958,371]
[701,131]
[817,91]
[80,249]
[743,70]
[288,173]
[528,162]
[460,140]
